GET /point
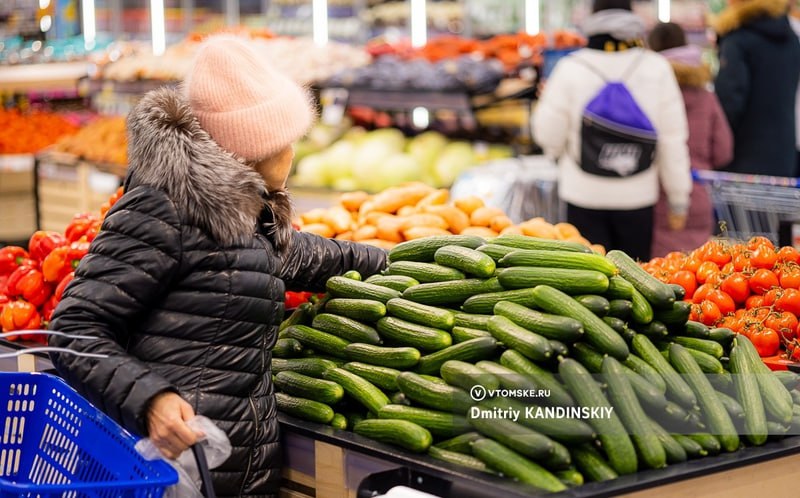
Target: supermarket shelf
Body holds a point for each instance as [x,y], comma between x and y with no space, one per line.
[388,100]
[37,77]
[137,87]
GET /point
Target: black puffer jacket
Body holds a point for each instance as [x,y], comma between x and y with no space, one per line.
[184,289]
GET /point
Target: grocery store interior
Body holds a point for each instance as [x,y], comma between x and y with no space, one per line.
[400,248]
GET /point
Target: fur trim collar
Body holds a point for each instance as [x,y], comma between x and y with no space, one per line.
[691,76]
[168,150]
[736,16]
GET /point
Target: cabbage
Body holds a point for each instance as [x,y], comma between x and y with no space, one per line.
[456,158]
[338,160]
[374,149]
[311,172]
[426,148]
[397,169]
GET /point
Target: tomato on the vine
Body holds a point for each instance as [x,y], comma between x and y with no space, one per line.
[692,263]
[741,262]
[754,242]
[715,279]
[790,277]
[732,322]
[736,286]
[723,301]
[766,341]
[788,254]
[763,280]
[789,300]
[685,279]
[784,323]
[728,269]
[717,253]
[754,301]
[706,269]
[701,293]
[771,296]
[764,257]
[709,312]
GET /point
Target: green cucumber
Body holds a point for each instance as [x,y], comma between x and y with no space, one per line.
[303,386]
[364,310]
[318,340]
[411,334]
[461,443]
[647,372]
[572,282]
[788,378]
[777,399]
[457,458]
[358,388]
[559,348]
[485,303]
[695,329]
[560,259]
[433,394]
[468,260]
[383,377]
[462,334]
[564,430]
[339,421]
[353,289]
[642,312]
[397,282]
[313,367]
[424,249]
[509,379]
[287,348]
[672,449]
[620,308]
[677,315]
[544,380]
[466,376]
[677,388]
[597,332]
[300,316]
[471,350]
[592,464]
[690,446]
[722,335]
[403,357]
[346,328]
[519,438]
[399,398]
[680,292]
[401,433]
[515,466]
[747,392]
[352,274]
[424,273]
[653,330]
[588,357]
[560,328]
[732,406]
[420,314]
[709,442]
[472,321]
[538,244]
[615,323]
[571,477]
[707,346]
[306,409]
[495,251]
[440,424]
[659,294]
[594,303]
[560,459]
[513,336]
[619,288]
[719,421]
[450,293]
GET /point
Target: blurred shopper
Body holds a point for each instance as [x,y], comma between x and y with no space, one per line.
[710,139]
[183,288]
[610,186]
[757,85]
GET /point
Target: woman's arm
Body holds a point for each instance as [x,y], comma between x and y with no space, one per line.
[551,117]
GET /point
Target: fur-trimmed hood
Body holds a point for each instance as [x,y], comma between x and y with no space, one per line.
[736,16]
[170,151]
[691,76]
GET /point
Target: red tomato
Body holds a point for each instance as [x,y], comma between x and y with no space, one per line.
[758,241]
[766,341]
[707,268]
[784,323]
[709,313]
[724,301]
[728,269]
[736,286]
[701,293]
[732,322]
[675,256]
[764,256]
[685,279]
[692,264]
[771,296]
[741,262]
[717,253]
[763,280]
[789,301]
[790,277]
[788,254]
[754,301]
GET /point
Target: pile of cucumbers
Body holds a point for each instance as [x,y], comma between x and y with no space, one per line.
[396,358]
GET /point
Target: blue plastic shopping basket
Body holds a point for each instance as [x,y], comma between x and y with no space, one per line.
[56,444]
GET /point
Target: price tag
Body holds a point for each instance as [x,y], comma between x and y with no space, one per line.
[334,103]
[16,162]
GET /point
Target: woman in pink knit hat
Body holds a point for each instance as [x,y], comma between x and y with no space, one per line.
[184,285]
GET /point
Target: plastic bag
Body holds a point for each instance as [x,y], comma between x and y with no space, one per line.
[217,449]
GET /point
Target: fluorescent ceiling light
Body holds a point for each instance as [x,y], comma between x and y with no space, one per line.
[532,19]
[157,27]
[89,27]
[664,10]
[319,13]
[419,23]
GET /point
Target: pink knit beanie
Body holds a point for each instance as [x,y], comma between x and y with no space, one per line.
[247,106]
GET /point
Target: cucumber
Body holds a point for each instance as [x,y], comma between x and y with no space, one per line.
[719,421]
[433,394]
[300,316]
[466,376]
[680,292]
[592,464]
[509,379]
[472,350]
[690,446]
[450,293]
[559,348]
[287,348]
[353,289]
[732,406]
[399,398]
[400,433]
[462,334]
[461,443]
[679,419]
[560,259]
[615,323]
[564,430]
[721,382]
[424,273]
[472,321]
[649,395]
[303,386]
[695,329]
[677,388]
[594,303]
[598,334]
[519,438]
[438,423]
[642,312]
[538,244]
[672,449]
[588,357]
[339,421]
[619,288]
[306,409]
[633,417]
[364,310]
[411,334]
[313,367]
[485,303]
[421,314]
[747,392]
[358,388]
[777,399]
[571,477]
[647,372]
[707,346]
[653,330]
[707,363]
[346,328]
[468,260]
[560,328]
[560,459]
[352,274]
[397,282]
[709,442]
[544,380]
[677,315]
[403,357]
[383,377]
[612,433]
[318,340]
[424,249]
[495,251]
[569,281]
[659,294]
[788,378]
[513,336]
[777,430]
[515,466]
[620,308]
[722,335]
[456,458]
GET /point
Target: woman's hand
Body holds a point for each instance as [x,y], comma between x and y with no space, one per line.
[676,222]
[166,424]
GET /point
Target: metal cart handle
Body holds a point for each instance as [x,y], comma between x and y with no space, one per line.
[206,485]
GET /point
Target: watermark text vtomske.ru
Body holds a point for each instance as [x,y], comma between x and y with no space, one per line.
[479,393]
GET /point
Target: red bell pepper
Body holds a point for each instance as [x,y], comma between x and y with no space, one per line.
[63,260]
[10,259]
[42,243]
[59,292]
[48,308]
[19,315]
[3,300]
[80,225]
[28,283]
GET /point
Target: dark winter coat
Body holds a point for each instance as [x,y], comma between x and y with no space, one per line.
[184,287]
[757,85]
[710,147]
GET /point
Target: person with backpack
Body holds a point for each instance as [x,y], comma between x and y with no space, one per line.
[710,138]
[613,116]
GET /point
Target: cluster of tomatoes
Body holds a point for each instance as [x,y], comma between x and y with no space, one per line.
[751,288]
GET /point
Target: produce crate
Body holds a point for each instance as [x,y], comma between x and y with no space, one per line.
[17,206]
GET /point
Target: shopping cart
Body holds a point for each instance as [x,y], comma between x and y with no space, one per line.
[751,205]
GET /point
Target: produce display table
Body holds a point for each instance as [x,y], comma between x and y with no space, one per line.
[51,76]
